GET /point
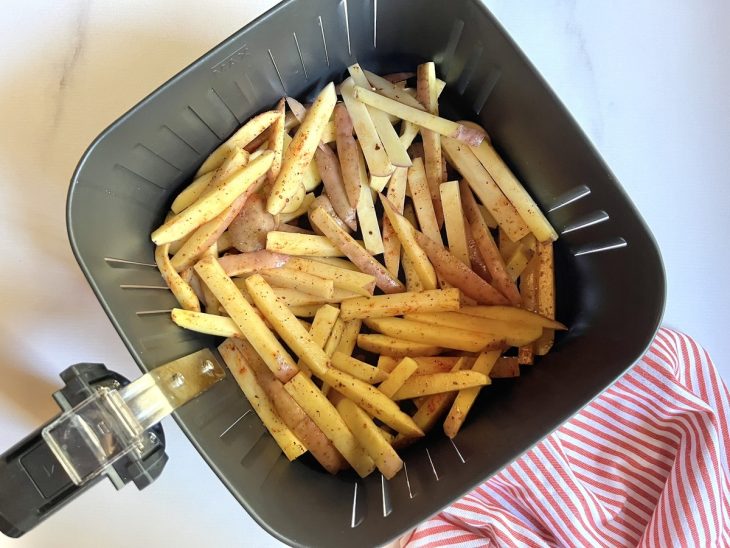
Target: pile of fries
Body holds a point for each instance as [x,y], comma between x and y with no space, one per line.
[281,241]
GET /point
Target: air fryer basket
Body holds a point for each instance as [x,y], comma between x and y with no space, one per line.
[610,282]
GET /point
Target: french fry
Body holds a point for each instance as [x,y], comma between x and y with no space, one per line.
[406,234]
[342,278]
[286,325]
[358,369]
[505,368]
[515,192]
[421,118]
[422,201]
[454,221]
[276,142]
[349,337]
[507,246]
[355,252]
[372,400]
[224,242]
[427,96]
[290,412]
[324,202]
[192,192]
[369,226]
[377,183]
[391,244]
[457,274]
[254,261]
[211,205]
[295,200]
[324,321]
[344,264]
[475,257]
[461,157]
[436,383]
[311,176]
[334,185]
[512,315]
[301,281]
[397,348]
[301,150]
[247,133]
[334,339]
[413,281]
[488,248]
[445,337]
[513,334]
[529,292]
[517,262]
[260,402]
[545,294]
[488,217]
[466,397]
[398,376]
[326,417]
[301,210]
[209,324]
[179,287]
[384,87]
[380,306]
[305,311]
[301,244]
[426,364]
[408,134]
[372,146]
[245,317]
[347,153]
[370,437]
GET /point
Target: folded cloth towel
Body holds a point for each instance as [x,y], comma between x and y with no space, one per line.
[645,464]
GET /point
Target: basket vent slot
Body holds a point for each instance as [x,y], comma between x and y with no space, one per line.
[125,263]
[408,480]
[468,73]
[301,57]
[490,82]
[347,27]
[385,495]
[276,68]
[591,219]
[600,247]
[233,424]
[324,40]
[358,507]
[458,453]
[572,195]
[433,467]
[215,97]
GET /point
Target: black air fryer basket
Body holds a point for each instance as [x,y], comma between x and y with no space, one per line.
[610,283]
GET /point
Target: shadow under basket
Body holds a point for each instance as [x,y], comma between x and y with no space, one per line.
[610,281]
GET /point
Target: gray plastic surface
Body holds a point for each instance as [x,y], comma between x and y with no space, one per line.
[611,299]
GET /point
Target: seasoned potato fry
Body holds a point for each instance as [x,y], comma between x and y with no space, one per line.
[397,348]
[212,204]
[391,244]
[369,225]
[224,242]
[384,87]
[517,262]
[245,317]
[461,157]
[192,192]
[342,278]
[545,294]
[301,281]
[326,417]
[371,438]
[355,252]
[358,369]
[413,281]
[305,311]
[398,376]
[334,185]
[507,246]
[513,334]
[406,234]
[276,142]
[422,201]
[372,146]
[512,315]
[424,119]
[409,133]
[347,152]
[432,157]
[454,221]
[380,306]
[457,274]
[247,133]
[300,152]
[372,400]
[446,337]
[311,176]
[300,211]
[333,340]
[301,244]
[488,217]
[436,383]
[529,293]
[466,397]
[515,192]
[260,402]
[286,325]
[426,364]
[488,248]
[505,367]
[179,287]
[349,337]
[210,324]
[320,330]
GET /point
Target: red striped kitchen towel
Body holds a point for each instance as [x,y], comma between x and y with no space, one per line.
[645,464]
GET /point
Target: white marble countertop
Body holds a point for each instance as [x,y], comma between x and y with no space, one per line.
[648,81]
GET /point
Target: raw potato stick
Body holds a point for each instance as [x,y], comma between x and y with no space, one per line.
[528,291]
[518,261]
[246,318]
[302,244]
[380,306]
[276,142]
[350,280]
[488,248]
[475,257]
[210,324]
[397,348]
[545,294]
[399,375]
[391,244]
[333,340]
[358,369]
[347,152]
[179,287]
[426,364]
[436,383]
[370,437]
[427,96]
[512,315]
[356,253]
[349,337]
[461,157]
[260,402]
[422,201]
[329,169]
[369,226]
[424,119]
[457,274]
[384,87]
[254,261]
[301,281]
[192,192]
[454,221]
[301,150]
[505,368]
